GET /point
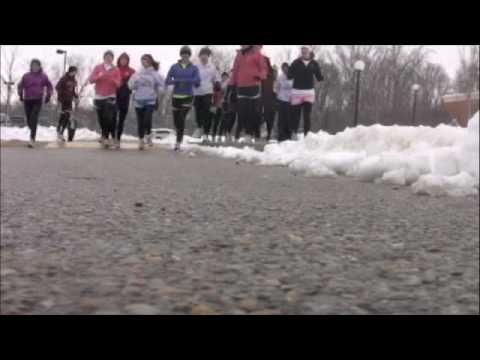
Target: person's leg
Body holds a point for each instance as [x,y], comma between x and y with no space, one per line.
[148,119]
[281,124]
[216,122]
[198,103]
[99,105]
[207,114]
[35,112]
[28,105]
[269,120]
[295,112]
[111,110]
[307,111]
[122,115]
[242,114]
[232,116]
[140,123]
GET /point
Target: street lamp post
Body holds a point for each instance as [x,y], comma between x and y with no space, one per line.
[359,66]
[64,53]
[415,88]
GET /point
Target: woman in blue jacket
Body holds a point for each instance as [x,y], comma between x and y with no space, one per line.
[184,76]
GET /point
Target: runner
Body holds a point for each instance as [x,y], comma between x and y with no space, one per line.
[66,92]
[284,89]
[204,93]
[249,70]
[184,76]
[147,85]
[268,99]
[107,80]
[123,96]
[31,91]
[218,99]
[302,72]
[229,110]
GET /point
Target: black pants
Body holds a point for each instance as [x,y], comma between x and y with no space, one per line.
[284,131]
[32,110]
[228,122]
[106,110]
[217,122]
[249,115]
[65,115]
[269,118]
[144,120]
[296,114]
[181,107]
[203,115]
[121,115]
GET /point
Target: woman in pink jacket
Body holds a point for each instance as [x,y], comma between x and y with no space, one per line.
[107,80]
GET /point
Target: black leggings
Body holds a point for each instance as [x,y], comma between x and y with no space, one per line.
[217,121]
[122,111]
[203,115]
[249,115]
[64,120]
[144,120]
[181,107]
[227,122]
[296,113]
[106,110]
[284,131]
[32,110]
[269,117]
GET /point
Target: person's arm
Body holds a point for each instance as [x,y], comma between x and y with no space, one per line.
[96,74]
[117,77]
[262,66]
[48,85]
[291,71]
[318,72]
[196,77]
[132,82]
[20,88]
[59,86]
[169,80]
[234,76]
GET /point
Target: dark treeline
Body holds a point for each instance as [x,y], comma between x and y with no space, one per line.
[386,95]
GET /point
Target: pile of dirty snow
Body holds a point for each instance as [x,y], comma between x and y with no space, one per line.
[436,161]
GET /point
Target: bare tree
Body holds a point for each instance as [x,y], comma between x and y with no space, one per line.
[8,61]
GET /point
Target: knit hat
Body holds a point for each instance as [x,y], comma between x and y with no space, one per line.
[186,50]
[108,52]
[72,69]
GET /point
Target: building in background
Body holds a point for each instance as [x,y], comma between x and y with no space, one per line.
[461,107]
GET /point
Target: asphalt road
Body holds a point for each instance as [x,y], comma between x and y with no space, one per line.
[88,231]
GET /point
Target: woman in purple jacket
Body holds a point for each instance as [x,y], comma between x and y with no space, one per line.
[184,76]
[31,90]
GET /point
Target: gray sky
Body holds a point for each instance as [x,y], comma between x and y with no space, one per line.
[447,55]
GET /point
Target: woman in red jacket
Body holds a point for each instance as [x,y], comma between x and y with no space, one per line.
[106,78]
[249,70]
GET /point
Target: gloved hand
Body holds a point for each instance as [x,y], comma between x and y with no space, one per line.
[21,97]
[47,99]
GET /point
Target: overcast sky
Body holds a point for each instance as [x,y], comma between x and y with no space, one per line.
[447,55]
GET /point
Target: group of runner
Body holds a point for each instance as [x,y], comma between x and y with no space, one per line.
[250,94]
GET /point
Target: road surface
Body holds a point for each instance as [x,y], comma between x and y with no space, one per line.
[88,231]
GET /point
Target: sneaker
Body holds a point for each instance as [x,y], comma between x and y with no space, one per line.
[150,140]
[107,143]
[248,139]
[177,147]
[141,144]
[294,136]
[60,138]
[204,139]
[31,144]
[117,144]
[197,133]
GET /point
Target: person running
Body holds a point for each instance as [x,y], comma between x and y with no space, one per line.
[302,71]
[219,90]
[123,96]
[229,109]
[107,80]
[147,85]
[184,76]
[67,94]
[284,90]
[249,70]
[31,91]
[268,99]
[203,100]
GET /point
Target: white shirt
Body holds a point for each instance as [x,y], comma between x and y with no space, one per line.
[208,76]
[283,88]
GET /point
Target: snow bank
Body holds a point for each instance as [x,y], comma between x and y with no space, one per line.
[434,161]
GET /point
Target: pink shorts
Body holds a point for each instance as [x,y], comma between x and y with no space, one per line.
[299,97]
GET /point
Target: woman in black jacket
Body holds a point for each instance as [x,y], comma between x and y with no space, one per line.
[302,71]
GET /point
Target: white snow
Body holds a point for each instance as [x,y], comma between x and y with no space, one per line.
[436,161]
